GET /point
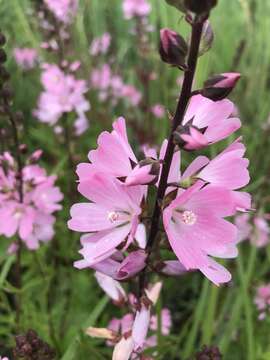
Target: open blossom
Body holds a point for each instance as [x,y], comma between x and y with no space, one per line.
[112,87]
[26,58]
[133,8]
[262,300]
[63,93]
[110,219]
[100,45]
[63,10]
[196,229]
[206,122]
[32,219]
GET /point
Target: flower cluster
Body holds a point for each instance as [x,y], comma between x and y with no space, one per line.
[256,229]
[112,87]
[100,45]
[194,221]
[63,10]
[262,300]
[26,58]
[136,8]
[63,93]
[30,216]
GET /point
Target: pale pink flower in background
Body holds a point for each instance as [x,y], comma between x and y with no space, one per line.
[166,322]
[100,45]
[133,8]
[242,222]
[26,58]
[158,111]
[4,358]
[63,10]
[261,233]
[262,300]
[63,93]
[134,96]
[207,122]
[101,78]
[32,219]
[113,215]
[196,229]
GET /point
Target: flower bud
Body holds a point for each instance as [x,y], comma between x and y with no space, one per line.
[173,48]
[146,172]
[207,38]
[101,333]
[123,349]
[189,137]
[219,86]
[111,287]
[173,268]
[200,7]
[2,39]
[132,264]
[179,4]
[3,56]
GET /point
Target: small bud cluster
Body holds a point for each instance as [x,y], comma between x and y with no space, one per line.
[31,347]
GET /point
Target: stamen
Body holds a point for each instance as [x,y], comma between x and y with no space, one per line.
[188,217]
[113,216]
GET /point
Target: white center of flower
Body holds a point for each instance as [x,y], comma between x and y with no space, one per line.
[188,217]
[113,216]
[18,214]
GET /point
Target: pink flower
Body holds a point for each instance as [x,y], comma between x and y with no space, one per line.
[114,156]
[26,58]
[63,93]
[166,322]
[261,234]
[244,227]
[32,219]
[113,215]
[133,8]
[100,45]
[63,10]
[207,122]
[262,300]
[158,111]
[134,96]
[196,229]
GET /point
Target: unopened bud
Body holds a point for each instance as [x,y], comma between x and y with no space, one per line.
[179,4]
[173,48]
[101,333]
[189,137]
[219,86]
[3,56]
[19,117]
[2,39]
[146,172]
[4,75]
[35,156]
[200,7]
[23,148]
[7,92]
[207,38]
